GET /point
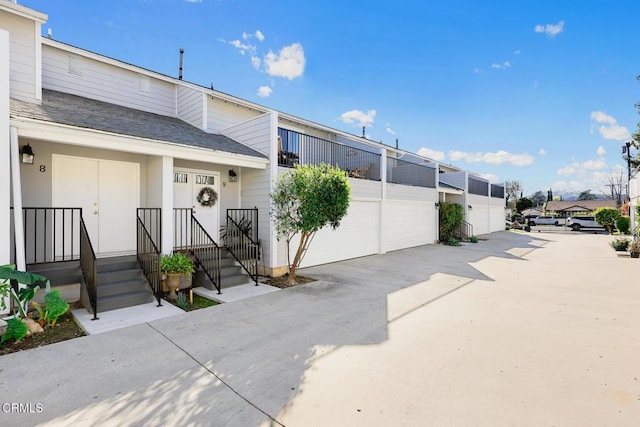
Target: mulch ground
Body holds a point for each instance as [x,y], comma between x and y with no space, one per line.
[65,329]
[281,282]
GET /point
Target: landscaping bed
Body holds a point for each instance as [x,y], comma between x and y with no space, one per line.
[66,328]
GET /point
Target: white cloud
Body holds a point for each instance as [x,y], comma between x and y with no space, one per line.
[243,48]
[550,29]
[609,129]
[477,70]
[390,131]
[259,35]
[255,61]
[502,66]
[498,158]
[193,1]
[358,117]
[567,170]
[516,52]
[542,152]
[432,154]
[264,91]
[288,63]
[601,151]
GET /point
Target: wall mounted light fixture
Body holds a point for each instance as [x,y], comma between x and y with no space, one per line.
[470,207]
[27,155]
[232,175]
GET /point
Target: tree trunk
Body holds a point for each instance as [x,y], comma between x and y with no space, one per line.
[304,243]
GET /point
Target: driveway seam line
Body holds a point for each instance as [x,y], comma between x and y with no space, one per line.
[216,376]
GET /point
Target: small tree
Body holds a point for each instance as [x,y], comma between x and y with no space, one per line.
[306,199]
[607,217]
[524,203]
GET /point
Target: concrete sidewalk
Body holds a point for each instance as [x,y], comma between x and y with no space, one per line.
[519,329]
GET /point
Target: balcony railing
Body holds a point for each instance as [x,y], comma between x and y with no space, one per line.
[298,148]
[480,188]
[497,191]
[407,173]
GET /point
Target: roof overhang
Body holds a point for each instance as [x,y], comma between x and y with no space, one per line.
[448,190]
[25,12]
[72,135]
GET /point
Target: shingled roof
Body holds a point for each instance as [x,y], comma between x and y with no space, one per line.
[63,108]
[579,205]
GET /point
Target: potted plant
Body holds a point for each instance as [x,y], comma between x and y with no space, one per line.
[175,266]
[634,249]
[620,244]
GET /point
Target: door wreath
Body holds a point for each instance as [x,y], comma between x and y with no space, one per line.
[207,197]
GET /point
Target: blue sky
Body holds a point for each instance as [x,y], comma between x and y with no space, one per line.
[539,91]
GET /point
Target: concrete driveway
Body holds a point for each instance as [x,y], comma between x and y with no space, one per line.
[519,329]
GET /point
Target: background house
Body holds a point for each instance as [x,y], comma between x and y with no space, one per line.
[564,209]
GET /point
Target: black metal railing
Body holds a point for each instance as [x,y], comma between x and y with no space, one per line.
[247,219]
[298,148]
[50,234]
[190,235]
[408,173]
[464,231]
[152,220]
[147,252]
[89,267]
[239,243]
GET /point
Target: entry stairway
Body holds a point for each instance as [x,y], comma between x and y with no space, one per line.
[121,282]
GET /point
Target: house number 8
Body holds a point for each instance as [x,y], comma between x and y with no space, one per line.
[43,168]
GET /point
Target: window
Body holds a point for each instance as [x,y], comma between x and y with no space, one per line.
[205,179]
[180,177]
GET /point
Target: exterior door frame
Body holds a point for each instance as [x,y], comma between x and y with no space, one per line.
[215,234]
[135,187]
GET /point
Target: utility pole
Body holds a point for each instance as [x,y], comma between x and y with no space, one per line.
[626,149]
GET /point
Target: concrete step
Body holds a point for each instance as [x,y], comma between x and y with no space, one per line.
[105,277]
[128,299]
[117,263]
[122,287]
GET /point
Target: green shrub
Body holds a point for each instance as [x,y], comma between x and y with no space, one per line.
[473,239]
[620,244]
[607,217]
[181,300]
[451,216]
[623,224]
[453,242]
[16,330]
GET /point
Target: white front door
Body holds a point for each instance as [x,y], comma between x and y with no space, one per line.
[108,193]
[187,185]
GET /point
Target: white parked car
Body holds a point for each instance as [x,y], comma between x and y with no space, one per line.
[582,221]
[543,220]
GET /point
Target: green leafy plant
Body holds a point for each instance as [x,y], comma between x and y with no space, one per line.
[182,301]
[306,199]
[607,217]
[473,239]
[16,330]
[10,278]
[177,263]
[453,242]
[451,216]
[620,243]
[623,224]
[55,306]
